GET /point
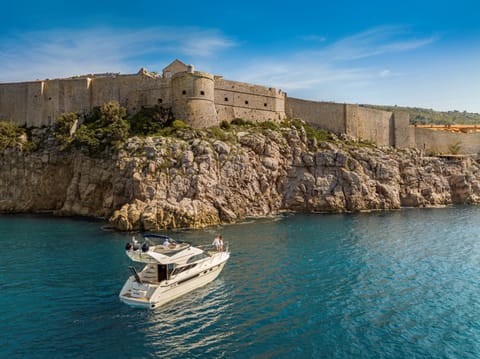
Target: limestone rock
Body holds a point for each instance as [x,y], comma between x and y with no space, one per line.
[152,184]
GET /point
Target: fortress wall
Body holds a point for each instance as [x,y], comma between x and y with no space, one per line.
[13,101]
[246,88]
[403,132]
[34,104]
[193,98]
[106,89]
[73,96]
[249,102]
[328,116]
[439,141]
[50,101]
[228,113]
[370,124]
[131,91]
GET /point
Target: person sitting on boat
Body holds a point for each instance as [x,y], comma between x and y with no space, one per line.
[166,243]
[218,243]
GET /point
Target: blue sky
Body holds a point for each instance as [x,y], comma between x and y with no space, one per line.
[408,53]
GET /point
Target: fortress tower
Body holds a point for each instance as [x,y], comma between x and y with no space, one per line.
[193,95]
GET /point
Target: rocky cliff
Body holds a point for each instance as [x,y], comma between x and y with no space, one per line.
[197,180]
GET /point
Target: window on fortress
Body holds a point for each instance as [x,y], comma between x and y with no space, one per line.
[159,100]
[202,93]
[265,105]
[184,92]
[246,102]
[226,99]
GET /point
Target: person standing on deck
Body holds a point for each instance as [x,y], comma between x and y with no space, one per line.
[218,243]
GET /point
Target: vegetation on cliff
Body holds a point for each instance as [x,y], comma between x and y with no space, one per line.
[423,116]
[108,127]
[10,135]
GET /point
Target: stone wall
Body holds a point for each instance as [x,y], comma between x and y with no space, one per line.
[358,122]
[204,100]
[403,132]
[432,141]
[328,116]
[39,103]
[249,102]
[192,98]
[198,98]
[368,124]
[131,91]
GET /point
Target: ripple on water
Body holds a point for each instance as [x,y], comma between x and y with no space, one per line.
[399,284]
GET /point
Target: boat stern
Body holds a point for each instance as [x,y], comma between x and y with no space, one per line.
[136,294]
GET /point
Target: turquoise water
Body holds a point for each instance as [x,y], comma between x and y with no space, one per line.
[400,284]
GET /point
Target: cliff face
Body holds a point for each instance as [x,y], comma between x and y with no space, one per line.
[157,183]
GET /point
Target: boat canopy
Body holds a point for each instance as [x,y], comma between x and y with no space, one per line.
[152,256]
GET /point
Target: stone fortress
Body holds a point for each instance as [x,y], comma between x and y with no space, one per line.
[203,100]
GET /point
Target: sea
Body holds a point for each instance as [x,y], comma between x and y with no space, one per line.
[398,284]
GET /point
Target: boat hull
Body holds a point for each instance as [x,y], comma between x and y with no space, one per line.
[164,292]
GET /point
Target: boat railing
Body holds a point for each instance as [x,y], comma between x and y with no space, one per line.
[211,248]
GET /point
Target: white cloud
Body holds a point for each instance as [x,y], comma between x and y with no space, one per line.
[337,71]
[374,42]
[59,53]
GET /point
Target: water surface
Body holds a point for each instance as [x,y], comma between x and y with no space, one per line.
[380,285]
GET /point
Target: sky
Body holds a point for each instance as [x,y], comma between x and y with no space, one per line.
[421,53]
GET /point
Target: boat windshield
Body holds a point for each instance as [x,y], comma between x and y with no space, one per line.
[197,257]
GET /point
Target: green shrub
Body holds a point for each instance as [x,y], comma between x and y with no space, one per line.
[63,128]
[179,124]
[225,125]
[150,121]
[9,134]
[319,135]
[269,125]
[240,122]
[171,130]
[86,140]
[218,133]
[103,128]
[455,148]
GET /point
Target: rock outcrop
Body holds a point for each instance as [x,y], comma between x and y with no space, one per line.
[164,182]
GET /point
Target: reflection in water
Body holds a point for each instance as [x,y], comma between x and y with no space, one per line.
[190,323]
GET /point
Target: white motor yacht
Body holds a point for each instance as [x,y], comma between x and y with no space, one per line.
[171,270]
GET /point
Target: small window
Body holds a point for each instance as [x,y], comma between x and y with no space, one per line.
[246,102]
[265,105]
[202,93]
[49,98]
[159,100]
[226,99]
[184,92]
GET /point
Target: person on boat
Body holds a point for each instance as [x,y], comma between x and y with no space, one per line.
[218,243]
[166,243]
